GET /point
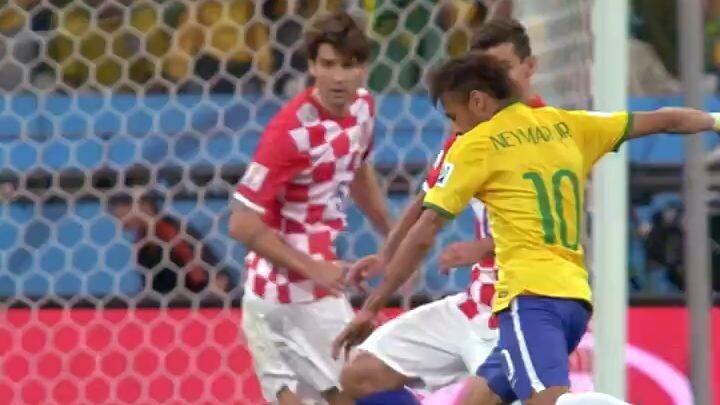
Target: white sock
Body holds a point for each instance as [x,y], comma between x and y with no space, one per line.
[588,398]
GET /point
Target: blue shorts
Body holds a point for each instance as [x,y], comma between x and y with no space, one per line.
[537,334]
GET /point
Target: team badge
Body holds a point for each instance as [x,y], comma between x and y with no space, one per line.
[445,174]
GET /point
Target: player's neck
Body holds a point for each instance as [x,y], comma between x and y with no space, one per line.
[334,111]
[503,104]
[530,96]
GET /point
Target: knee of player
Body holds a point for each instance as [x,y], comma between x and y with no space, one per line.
[366,375]
[476,391]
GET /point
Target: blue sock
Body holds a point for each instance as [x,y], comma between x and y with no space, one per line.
[396,397]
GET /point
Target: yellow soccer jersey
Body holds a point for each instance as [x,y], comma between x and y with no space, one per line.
[529,166]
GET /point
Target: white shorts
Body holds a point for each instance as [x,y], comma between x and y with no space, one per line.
[291,343]
[434,345]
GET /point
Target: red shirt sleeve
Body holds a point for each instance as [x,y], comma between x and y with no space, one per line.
[434,172]
[279,157]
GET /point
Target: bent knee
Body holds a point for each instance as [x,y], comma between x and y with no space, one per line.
[477,391]
[366,374]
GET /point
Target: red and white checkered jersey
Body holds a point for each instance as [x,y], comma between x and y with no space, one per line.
[298,180]
[479,294]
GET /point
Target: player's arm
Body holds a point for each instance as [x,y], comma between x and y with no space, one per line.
[600,133]
[365,191]
[410,253]
[373,265]
[466,253]
[674,120]
[402,227]
[460,178]
[249,228]
[412,212]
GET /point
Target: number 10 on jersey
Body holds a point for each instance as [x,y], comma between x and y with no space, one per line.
[551,215]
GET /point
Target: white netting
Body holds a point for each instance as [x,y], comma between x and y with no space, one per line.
[105,102]
[561,35]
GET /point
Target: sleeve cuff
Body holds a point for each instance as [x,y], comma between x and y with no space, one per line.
[626,132]
[440,210]
[249,204]
[716,119]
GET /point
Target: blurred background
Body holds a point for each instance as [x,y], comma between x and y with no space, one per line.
[125,125]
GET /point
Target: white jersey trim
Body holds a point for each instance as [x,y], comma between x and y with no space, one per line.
[243,200]
[535,382]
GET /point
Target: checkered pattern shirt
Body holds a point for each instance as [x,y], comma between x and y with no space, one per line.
[479,294]
[298,180]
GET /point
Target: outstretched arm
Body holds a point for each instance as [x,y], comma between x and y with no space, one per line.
[466,253]
[411,252]
[402,227]
[675,120]
[372,265]
[412,248]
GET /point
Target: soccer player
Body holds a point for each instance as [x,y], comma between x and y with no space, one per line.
[406,350]
[529,166]
[289,210]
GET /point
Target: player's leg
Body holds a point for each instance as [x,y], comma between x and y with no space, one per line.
[575,318]
[309,330]
[490,386]
[367,374]
[277,380]
[334,396]
[536,337]
[420,346]
[477,391]
[287,397]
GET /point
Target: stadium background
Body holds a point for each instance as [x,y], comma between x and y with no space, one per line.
[121,98]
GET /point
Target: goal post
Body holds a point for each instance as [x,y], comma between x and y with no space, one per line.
[610,202]
[582,51]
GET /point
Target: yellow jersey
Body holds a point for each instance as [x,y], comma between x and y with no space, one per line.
[529,167]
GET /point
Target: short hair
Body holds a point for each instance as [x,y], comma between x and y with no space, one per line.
[473,71]
[124,198]
[502,31]
[340,31]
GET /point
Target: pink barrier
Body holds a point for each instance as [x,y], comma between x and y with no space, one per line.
[177,356]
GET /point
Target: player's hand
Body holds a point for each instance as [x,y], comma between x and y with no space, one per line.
[458,254]
[329,275]
[354,333]
[362,270]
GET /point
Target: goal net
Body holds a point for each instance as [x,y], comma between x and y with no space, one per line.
[124,127]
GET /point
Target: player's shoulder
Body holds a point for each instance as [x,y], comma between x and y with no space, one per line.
[296,119]
[299,111]
[549,111]
[291,128]
[475,141]
[364,94]
[363,106]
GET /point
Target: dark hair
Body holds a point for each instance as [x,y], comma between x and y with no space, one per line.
[502,31]
[473,71]
[340,31]
[152,199]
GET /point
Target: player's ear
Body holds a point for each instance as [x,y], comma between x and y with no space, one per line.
[311,67]
[531,63]
[364,69]
[477,100]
